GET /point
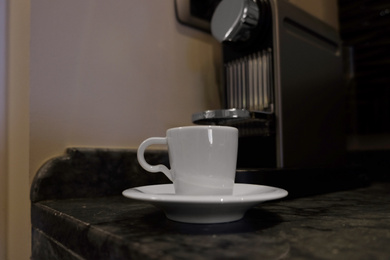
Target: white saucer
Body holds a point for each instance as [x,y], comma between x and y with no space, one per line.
[205,209]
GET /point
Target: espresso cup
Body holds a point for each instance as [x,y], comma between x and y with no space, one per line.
[202,159]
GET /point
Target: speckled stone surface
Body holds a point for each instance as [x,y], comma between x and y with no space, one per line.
[78,212]
[342,225]
[88,172]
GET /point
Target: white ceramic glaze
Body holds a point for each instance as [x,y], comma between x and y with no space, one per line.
[205,209]
[202,158]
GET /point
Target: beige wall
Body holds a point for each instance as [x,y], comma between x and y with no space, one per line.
[14,128]
[325,10]
[3,131]
[110,74]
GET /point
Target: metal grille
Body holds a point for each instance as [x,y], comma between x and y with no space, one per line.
[249,82]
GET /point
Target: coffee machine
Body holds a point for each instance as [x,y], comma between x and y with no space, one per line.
[283,84]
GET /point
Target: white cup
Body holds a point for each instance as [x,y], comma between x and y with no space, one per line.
[202,158]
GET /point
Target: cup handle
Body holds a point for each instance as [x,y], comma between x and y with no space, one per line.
[144,164]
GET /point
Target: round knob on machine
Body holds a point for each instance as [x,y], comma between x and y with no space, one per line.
[233,20]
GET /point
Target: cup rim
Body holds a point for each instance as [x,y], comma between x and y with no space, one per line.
[203,127]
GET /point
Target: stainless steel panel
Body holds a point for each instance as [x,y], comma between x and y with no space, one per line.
[309,94]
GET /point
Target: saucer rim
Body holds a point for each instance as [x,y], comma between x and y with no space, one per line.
[264,193]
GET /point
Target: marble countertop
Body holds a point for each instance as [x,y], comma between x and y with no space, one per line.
[78,212]
[351,224]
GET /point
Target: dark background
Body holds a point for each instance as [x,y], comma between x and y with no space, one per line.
[365,29]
